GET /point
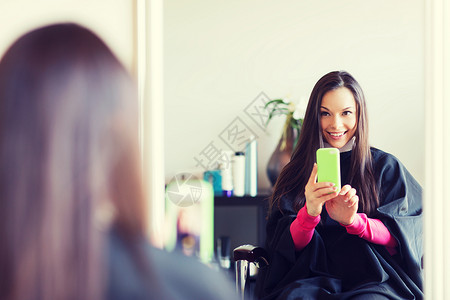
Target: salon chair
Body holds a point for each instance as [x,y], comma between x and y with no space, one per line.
[245,256]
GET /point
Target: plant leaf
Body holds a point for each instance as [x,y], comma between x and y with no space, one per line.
[273,101]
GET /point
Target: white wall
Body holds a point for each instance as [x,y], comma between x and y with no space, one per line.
[219,55]
[112,20]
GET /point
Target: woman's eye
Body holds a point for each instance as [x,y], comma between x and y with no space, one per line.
[324,114]
[347,112]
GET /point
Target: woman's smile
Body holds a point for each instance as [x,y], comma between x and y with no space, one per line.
[337,135]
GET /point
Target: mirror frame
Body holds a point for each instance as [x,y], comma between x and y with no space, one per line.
[437,142]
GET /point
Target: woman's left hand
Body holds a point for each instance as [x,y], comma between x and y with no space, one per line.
[343,208]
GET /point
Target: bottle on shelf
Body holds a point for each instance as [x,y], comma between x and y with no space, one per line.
[227,176]
[251,167]
[238,168]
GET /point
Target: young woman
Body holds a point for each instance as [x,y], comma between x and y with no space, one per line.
[72,213]
[363,241]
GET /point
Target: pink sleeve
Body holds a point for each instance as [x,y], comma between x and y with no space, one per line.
[302,228]
[374,231]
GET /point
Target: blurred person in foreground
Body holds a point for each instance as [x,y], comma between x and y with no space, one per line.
[72,207]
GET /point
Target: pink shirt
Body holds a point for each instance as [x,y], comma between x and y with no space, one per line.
[372,230]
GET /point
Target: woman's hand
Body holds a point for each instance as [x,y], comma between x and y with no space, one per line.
[317,193]
[343,208]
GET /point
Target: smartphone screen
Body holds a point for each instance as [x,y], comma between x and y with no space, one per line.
[328,166]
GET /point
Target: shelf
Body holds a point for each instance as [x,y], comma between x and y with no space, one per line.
[243,219]
[259,200]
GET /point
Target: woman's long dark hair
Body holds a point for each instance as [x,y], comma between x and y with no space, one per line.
[295,174]
[68,146]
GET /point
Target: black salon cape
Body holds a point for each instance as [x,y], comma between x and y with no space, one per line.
[338,265]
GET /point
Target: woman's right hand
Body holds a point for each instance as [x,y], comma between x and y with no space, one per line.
[317,193]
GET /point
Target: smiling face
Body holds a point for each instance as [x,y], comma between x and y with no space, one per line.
[338,117]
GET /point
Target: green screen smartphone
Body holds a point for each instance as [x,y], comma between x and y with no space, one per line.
[328,166]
